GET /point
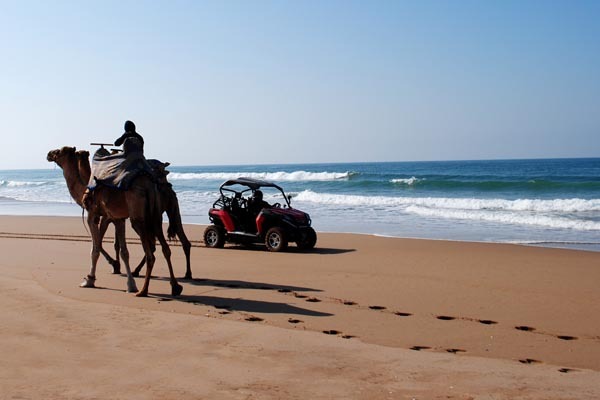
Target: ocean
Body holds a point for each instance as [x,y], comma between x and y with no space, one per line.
[544,202]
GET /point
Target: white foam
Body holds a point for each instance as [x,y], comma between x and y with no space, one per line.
[507,218]
[547,213]
[20,183]
[269,176]
[557,205]
[406,181]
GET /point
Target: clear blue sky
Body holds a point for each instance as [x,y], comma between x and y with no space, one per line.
[253,82]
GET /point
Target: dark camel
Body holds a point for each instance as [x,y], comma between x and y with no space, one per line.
[140,203]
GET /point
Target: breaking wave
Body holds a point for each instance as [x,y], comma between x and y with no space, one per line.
[269,176]
[557,213]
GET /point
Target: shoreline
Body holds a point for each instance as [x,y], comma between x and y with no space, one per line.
[368,315]
[566,245]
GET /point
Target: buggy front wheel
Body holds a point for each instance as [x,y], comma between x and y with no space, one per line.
[214,237]
[276,239]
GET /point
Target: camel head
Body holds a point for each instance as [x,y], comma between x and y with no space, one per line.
[61,156]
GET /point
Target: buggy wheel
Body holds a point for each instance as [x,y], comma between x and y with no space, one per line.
[276,239]
[307,240]
[214,237]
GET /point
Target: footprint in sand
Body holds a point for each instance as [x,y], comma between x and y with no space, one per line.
[454,351]
[566,370]
[331,332]
[525,328]
[300,296]
[419,348]
[348,336]
[349,303]
[565,337]
[284,290]
[294,321]
[487,322]
[529,361]
[377,307]
[445,318]
[313,300]
[402,314]
[254,319]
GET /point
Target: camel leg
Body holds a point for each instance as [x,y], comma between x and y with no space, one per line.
[149,247]
[185,243]
[116,264]
[176,288]
[137,270]
[90,279]
[120,234]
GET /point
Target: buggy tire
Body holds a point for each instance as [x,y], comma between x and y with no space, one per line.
[214,237]
[276,239]
[307,240]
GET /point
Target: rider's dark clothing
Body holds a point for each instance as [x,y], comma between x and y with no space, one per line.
[126,135]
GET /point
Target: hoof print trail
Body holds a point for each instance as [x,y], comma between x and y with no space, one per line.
[313,300]
[445,318]
[331,332]
[525,328]
[300,296]
[565,337]
[454,351]
[402,314]
[529,361]
[349,303]
[294,321]
[487,322]
[347,336]
[419,348]
[377,307]
[254,319]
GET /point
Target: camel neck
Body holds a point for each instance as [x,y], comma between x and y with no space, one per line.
[75,183]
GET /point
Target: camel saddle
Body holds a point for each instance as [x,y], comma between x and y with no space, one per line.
[119,170]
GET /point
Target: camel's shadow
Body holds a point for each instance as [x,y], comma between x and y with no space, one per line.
[239,304]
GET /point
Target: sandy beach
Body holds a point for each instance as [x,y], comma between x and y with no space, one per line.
[360,317]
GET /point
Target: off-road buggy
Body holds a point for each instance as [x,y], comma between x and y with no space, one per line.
[235,218]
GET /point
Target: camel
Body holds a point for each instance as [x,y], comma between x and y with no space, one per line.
[169,204]
[140,203]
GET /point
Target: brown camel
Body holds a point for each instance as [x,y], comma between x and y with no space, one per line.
[140,203]
[168,202]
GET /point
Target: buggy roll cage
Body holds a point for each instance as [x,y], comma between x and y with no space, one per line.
[251,184]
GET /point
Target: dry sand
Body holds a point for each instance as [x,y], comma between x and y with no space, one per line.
[360,317]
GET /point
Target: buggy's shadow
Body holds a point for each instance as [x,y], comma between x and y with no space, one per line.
[291,249]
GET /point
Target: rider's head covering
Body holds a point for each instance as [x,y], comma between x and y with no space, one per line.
[129,126]
[258,195]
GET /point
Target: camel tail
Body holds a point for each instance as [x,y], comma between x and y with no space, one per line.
[153,213]
[172,209]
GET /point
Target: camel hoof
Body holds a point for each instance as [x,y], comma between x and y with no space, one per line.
[132,289]
[135,274]
[176,289]
[116,268]
[141,293]
[188,276]
[88,282]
